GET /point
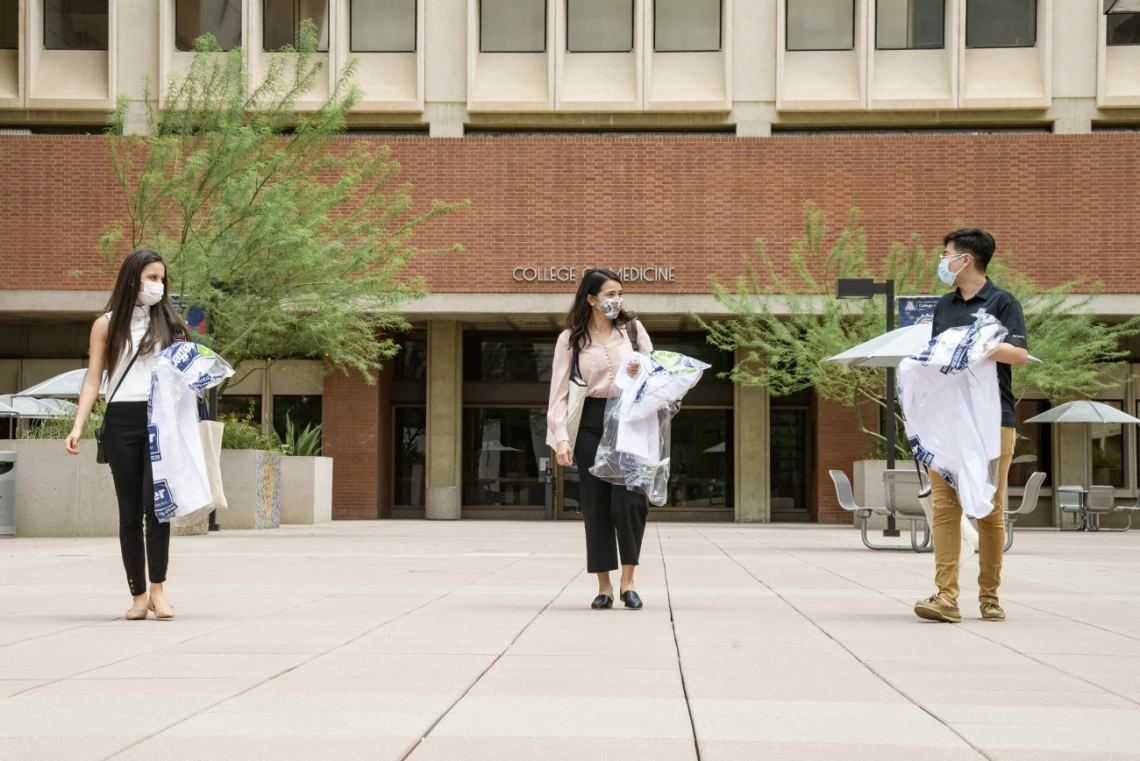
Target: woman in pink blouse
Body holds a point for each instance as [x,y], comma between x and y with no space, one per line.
[599,332]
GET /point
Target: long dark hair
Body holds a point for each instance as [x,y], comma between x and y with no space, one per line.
[164,321]
[578,318]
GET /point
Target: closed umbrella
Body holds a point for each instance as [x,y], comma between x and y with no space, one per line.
[1088,413]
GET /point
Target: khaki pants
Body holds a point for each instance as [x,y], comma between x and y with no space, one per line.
[991,533]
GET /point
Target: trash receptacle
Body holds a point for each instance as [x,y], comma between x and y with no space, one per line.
[7,493]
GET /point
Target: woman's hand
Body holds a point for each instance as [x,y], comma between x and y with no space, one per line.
[72,442]
[634,366]
[564,455]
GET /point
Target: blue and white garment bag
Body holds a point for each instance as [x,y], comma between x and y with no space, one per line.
[951,406]
[181,374]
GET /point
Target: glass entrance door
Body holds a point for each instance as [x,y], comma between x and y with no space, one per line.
[790,459]
[566,493]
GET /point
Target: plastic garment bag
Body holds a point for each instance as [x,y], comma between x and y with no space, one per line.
[181,373]
[952,410]
[635,445]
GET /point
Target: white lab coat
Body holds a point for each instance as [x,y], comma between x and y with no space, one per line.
[635,444]
[952,410]
[181,484]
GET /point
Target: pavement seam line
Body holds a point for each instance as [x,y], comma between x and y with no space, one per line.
[828,634]
[676,644]
[1031,656]
[281,673]
[490,665]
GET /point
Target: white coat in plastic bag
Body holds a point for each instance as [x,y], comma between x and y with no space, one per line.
[635,445]
[951,408]
[181,373]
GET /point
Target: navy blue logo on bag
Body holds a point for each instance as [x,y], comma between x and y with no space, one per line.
[203,382]
[184,355]
[921,455]
[164,504]
[152,434]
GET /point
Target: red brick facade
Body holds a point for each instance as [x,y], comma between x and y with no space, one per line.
[692,203]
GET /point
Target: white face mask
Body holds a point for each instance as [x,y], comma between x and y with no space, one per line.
[151,293]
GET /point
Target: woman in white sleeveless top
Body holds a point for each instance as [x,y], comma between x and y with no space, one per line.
[140,324]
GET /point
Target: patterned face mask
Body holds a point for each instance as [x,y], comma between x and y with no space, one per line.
[611,308]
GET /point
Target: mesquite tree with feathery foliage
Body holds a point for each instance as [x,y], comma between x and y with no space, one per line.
[293,245]
[785,349]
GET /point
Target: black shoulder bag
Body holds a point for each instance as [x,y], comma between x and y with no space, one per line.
[100,455]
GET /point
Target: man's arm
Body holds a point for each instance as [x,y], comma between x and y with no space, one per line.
[1010,355]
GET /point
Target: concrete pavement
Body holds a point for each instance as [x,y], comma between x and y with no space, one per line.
[473,640]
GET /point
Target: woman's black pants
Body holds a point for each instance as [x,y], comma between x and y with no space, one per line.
[606,508]
[126,444]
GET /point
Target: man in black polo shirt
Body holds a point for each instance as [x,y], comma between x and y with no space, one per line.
[964,261]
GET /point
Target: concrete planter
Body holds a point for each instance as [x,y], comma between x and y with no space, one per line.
[868,488]
[306,489]
[62,495]
[252,480]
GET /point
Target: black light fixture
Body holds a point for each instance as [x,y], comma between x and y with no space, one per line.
[866,288]
[1121,6]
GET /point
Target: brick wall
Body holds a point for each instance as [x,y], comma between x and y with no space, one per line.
[351,415]
[1066,205]
[838,444]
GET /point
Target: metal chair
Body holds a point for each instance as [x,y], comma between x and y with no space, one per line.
[1102,502]
[1070,502]
[847,501]
[900,490]
[1028,504]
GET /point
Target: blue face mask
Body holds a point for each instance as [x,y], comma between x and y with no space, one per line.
[944,273]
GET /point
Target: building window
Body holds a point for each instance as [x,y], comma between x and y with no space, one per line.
[243,407]
[282,22]
[599,26]
[910,24]
[686,26]
[701,459]
[9,24]
[821,25]
[1033,447]
[303,411]
[194,18]
[1001,23]
[1108,452]
[501,449]
[512,26]
[75,25]
[410,457]
[507,358]
[410,365]
[382,26]
[1123,29]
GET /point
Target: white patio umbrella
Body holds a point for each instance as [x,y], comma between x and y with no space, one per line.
[1085,412]
[8,411]
[63,386]
[37,409]
[890,349]
[716,448]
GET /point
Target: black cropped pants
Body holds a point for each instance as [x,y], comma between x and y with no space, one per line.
[607,509]
[127,447]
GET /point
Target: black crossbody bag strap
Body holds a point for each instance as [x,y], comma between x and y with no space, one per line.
[123,377]
[100,454]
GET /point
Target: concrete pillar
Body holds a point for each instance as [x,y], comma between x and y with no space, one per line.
[444,420]
[445,119]
[753,482]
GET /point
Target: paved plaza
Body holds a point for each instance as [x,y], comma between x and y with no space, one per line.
[474,641]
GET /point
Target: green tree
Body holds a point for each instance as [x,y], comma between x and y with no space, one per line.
[788,325]
[295,244]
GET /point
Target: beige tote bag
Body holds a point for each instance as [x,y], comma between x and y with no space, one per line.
[574,412]
[211,432]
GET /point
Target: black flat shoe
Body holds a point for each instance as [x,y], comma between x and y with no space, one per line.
[631,600]
[601,602]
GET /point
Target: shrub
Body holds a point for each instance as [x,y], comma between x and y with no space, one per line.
[60,427]
[243,433]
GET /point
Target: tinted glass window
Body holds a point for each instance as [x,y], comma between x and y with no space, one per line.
[1108,452]
[597,26]
[686,25]
[75,24]
[508,358]
[1001,23]
[910,24]
[821,24]
[283,18]
[501,449]
[1123,29]
[383,26]
[1033,447]
[701,460]
[410,365]
[243,407]
[410,460]
[301,410]
[512,26]
[194,18]
[9,24]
